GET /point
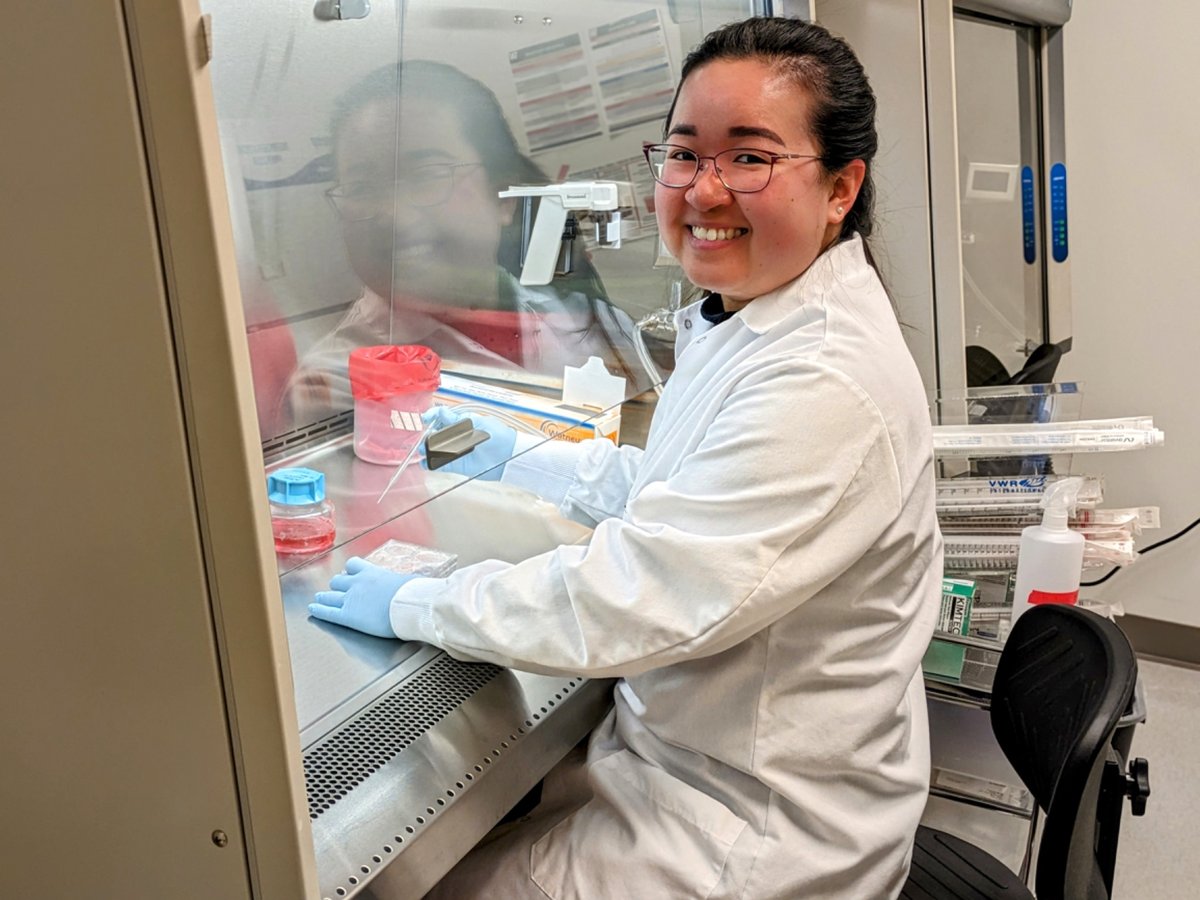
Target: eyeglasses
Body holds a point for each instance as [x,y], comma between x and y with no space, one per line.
[741,169]
[428,185]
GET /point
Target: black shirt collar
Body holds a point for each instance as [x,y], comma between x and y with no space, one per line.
[712,308]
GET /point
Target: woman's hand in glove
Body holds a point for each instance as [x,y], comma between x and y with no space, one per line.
[486,460]
[360,598]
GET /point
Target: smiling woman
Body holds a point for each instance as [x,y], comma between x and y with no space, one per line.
[763,578]
[745,224]
[421,151]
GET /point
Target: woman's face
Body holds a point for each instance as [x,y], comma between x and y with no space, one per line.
[434,220]
[765,239]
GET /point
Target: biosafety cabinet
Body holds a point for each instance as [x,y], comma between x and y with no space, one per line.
[203,201]
[207,206]
[972,179]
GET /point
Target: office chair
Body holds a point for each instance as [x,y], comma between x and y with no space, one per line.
[984,368]
[1064,679]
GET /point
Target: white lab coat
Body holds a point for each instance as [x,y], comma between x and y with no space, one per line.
[764,580]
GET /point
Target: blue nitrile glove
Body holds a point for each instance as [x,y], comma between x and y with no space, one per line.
[360,598]
[488,459]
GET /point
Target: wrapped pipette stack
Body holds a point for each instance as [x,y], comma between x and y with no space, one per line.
[999,450]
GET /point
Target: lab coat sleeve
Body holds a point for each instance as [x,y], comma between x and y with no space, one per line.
[789,484]
[588,482]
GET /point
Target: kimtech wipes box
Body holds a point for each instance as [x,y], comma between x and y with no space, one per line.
[957,598]
[555,419]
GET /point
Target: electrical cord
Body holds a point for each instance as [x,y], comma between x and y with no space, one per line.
[1113,571]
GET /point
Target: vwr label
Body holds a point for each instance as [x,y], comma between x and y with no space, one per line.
[1068,597]
[1032,484]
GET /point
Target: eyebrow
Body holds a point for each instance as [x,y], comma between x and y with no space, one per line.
[381,167]
[737,131]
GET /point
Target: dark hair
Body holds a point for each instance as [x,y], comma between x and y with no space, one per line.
[475,106]
[842,119]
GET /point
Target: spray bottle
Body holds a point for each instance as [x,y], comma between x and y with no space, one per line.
[1050,559]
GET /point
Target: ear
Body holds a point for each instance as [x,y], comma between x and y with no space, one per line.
[843,190]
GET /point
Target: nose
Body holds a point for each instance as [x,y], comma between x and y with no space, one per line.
[397,211]
[708,191]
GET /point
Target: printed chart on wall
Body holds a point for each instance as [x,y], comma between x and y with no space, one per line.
[632,70]
[556,93]
[578,87]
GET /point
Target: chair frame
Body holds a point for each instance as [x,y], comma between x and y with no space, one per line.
[1064,680]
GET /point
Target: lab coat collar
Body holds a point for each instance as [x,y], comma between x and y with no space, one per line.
[844,263]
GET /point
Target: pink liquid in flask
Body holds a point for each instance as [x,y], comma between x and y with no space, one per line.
[301,516]
[311,534]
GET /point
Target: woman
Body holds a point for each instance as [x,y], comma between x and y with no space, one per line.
[763,578]
[421,151]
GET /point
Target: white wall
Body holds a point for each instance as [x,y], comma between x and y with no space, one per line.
[1133,140]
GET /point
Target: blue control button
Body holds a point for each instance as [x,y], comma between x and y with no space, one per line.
[1058,212]
[1028,216]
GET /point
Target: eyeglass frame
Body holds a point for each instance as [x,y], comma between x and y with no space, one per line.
[333,197]
[647,146]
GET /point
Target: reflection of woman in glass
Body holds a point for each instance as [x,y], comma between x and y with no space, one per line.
[421,151]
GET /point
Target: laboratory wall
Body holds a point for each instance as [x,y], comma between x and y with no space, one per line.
[1133,132]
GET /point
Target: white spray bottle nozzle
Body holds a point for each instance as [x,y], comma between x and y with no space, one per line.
[1058,501]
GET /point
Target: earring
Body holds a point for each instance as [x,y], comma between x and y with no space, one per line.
[840,210]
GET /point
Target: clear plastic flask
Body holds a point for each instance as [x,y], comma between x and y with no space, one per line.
[301,515]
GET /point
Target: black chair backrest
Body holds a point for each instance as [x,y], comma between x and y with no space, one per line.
[1040,366]
[1063,681]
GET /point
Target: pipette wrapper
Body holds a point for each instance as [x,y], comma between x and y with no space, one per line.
[553,419]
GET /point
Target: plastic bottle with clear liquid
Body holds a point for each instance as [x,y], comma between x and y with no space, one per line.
[1050,557]
[301,516]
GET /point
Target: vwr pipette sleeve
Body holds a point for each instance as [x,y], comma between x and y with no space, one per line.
[1092,436]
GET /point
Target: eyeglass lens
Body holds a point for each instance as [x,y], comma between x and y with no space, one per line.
[739,169]
[424,186]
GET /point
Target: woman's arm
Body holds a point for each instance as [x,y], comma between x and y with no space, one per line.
[589,481]
[791,484]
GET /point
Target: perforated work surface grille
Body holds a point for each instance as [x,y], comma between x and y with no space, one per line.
[294,441]
[364,744]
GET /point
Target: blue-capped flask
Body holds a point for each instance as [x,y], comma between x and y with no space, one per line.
[301,515]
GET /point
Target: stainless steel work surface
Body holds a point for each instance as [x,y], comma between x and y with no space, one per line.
[411,756]
[473,519]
